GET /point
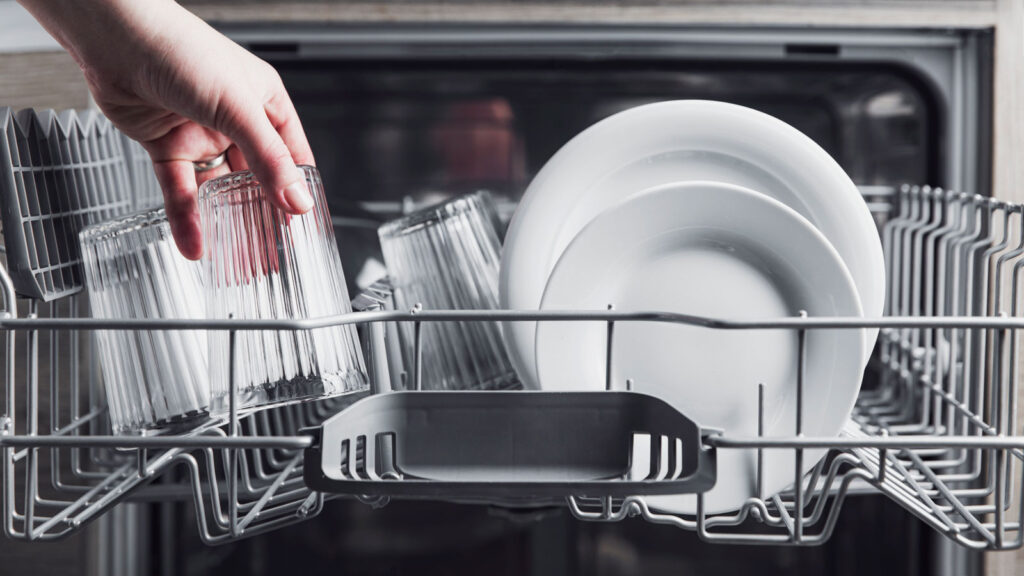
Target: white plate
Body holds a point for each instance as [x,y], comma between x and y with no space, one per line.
[718,250]
[676,141]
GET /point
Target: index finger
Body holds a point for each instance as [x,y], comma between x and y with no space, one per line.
[178,181]
[284,118]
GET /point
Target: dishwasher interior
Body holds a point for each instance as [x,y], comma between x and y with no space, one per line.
[406,119]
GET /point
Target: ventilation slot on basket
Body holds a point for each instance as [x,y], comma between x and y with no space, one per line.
[353,462]
[656,457]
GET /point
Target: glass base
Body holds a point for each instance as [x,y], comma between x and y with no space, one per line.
[173,425]
[297,389]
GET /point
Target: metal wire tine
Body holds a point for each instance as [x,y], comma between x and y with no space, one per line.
[919,218]
[798,504]
[1004,374]
[800,371]
[985,369]
[32,415]
[1001,263]
[759,470]
[381,382]
[954,211]
[1020,508]
[944,220]
[608,384]
[890,247]
[923,220]
[973,387]
[1012,362]
[958,303]
[799,460]
[1003,423]
[311,506]
[922,288]
[417,376]
[8,417]
[141,456]
[909,211]
[233,430]
[1000,463]
[702,530]
[897,264]
[987,347]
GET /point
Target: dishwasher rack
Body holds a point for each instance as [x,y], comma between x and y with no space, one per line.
[934,429]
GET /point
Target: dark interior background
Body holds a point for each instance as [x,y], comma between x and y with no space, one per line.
[390,135]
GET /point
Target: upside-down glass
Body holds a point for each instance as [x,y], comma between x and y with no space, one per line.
[446,257]
[261,263]
[133,270]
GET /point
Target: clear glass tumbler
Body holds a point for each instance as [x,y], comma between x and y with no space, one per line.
[153,379]
[261,263]
[446,257]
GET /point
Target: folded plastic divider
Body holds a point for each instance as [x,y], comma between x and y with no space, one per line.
[60,172]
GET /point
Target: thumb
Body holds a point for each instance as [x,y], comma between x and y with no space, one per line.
[269,158]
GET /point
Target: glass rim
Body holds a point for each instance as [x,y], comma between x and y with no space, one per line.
[235,180]
[472,202]
[125,224]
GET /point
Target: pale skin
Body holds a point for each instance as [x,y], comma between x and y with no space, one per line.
[187,93]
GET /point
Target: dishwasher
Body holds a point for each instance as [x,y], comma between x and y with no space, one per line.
[404,116]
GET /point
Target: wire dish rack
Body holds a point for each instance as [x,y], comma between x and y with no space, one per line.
[934,428]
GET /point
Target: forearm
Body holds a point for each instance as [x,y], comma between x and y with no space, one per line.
[106,37]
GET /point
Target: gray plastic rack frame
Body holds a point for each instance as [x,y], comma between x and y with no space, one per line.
[507,446]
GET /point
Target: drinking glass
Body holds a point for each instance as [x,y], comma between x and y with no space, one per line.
[153,379]
[446,257]
[262,263]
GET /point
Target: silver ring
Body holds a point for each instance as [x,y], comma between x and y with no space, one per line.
[207,165]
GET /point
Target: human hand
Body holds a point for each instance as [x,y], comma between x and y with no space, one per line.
[188,94]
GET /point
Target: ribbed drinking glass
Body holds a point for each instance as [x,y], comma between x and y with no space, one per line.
[446,257]
[133,270]
[261,263]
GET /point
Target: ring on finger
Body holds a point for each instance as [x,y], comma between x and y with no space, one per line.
[207,165]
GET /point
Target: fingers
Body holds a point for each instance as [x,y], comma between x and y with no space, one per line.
[268,156]
[285,119]
[236,159]
[178,180]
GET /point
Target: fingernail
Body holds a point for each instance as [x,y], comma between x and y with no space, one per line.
[297,196]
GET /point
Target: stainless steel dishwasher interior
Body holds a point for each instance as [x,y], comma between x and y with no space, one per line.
[939,404]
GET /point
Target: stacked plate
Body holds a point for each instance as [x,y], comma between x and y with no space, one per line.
[707,209]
